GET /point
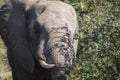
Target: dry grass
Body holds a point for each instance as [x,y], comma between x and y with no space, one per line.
[5,73]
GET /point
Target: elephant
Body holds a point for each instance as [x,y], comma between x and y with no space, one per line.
[41,39]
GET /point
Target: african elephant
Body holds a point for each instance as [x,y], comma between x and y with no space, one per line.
[41,40]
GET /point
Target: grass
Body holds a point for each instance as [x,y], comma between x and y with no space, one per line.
[5,73]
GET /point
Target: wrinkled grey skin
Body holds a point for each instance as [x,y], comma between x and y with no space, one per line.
[47,32]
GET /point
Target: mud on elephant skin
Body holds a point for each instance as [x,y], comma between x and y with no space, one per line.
[43,38]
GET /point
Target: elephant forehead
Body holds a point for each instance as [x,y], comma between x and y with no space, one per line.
[56,25]
[61,30]
[51,18]
[54,11]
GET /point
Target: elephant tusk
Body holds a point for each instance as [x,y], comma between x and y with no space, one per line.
[45,65]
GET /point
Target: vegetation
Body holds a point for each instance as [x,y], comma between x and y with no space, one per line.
[99,41]
[5,73]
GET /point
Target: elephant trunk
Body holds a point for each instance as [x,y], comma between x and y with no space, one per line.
[55,53]
[58,73]
[60,51]
[60,47]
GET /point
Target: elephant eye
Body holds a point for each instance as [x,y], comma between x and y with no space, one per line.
[34,34]
[36,28]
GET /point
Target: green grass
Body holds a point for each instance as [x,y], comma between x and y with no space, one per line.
[1,2]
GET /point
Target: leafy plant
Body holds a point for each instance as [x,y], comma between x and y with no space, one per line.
[98,50]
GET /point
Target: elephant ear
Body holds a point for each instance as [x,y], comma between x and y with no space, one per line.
[4,14]
[20,55]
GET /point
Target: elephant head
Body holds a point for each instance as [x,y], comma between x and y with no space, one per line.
[52,30]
